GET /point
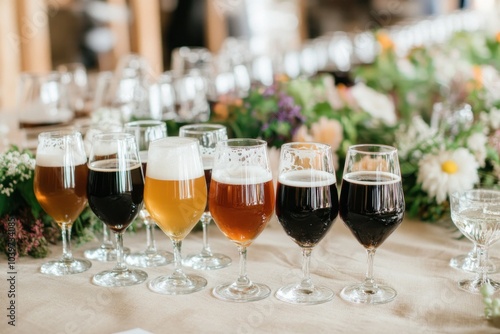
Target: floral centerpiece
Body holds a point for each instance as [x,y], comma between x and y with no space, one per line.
[21,216]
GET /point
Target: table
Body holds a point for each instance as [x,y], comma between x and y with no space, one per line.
[414,260]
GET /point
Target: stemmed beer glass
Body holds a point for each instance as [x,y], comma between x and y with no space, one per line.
[60,186]
[208,136]
[175,195]
[145,132]
[115,192]
[476,213]
[372,207]
[306,206]
[241,201]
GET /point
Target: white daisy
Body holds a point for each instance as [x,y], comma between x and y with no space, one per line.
[378,105]
[446,172]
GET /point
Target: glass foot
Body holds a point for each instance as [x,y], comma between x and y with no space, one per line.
[105,253]
[114,278]
[475,285]
[169,285]
[145,260]
[356,293]
[467,263]
[61,268]
[230,292]
[204,262]
[295,294]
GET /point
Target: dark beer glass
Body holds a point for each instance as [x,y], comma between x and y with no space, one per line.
[115,192]
[306,207]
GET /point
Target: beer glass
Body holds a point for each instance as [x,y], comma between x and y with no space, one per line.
[106,252]
[307,204]
[372,206]
[115,192]
[175,195]
[60,186]
[145,132]
[241,201]
[208,135]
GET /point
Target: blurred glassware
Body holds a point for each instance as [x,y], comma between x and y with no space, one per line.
[42,100]
[340,50]
[183,96]
[134,89]
[450,118]
[74,77]
[187,58]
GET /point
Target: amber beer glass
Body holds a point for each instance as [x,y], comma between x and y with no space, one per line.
[175,195]
[60,186]
[241,201]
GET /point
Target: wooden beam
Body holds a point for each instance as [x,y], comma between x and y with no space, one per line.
[10,64]
[34,38]
[146,32]
[120,30]
[216,25]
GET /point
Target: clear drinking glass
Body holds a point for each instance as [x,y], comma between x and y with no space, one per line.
[476,213]
[307,204]
[106,252]
[60,185]
[372,207]
[208,136]
[115,191]
[145,132]
[175,195]
[241,201]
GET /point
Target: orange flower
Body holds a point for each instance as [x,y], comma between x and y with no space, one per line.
[498,37]
[221,110]
[478,76]
[385,41]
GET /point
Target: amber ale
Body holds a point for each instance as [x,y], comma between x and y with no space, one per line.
[115,193]
[242,206]
[61,191]
[372,205]
[306,205]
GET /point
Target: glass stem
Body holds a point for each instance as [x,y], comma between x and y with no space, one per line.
[67,256]
[150,238]
[369,285]
[106,239]
[243,281]
[120,264]
[482,265]
[306,282]
[205,220]
[178,273]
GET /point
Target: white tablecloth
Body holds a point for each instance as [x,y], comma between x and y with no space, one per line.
[414,260]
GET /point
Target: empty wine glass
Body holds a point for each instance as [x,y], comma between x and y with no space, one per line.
[208,136]
[176,195]
[372,207]
[476,213]
[115,192]
[306,206]
[145,132]
[241,201]
[60,186]
[74,77]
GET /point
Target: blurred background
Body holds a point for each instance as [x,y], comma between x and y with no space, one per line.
[40,35]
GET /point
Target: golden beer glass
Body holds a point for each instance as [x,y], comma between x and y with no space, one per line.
[60,186]
[175,195]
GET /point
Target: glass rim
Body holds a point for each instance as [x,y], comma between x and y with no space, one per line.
[108,136]
[200,128]
[144,124]
[232,141]
[173,141]
[59,133]
[459,194]
[291,145]
[359,148]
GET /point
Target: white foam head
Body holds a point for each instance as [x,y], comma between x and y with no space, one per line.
[174,158]
[60,148]
[242,175]
[307,178]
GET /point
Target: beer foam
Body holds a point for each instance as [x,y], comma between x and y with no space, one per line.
[57,157]
[307,178]
[375,177]
[105,148]
[172,159]
[242,175]
[112,165]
